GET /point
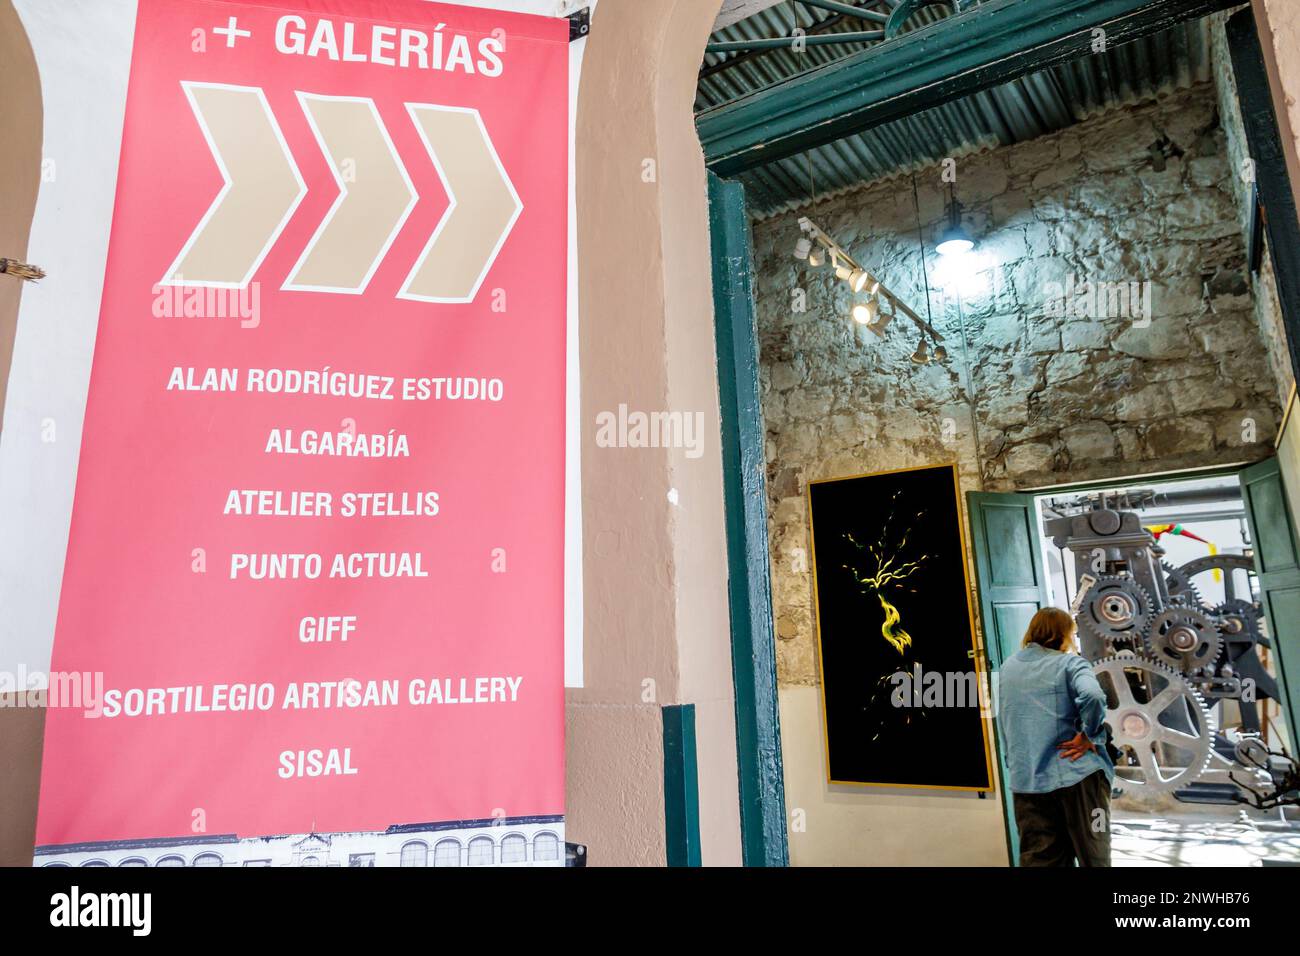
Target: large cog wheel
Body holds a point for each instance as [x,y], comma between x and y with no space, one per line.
[1159,722]
[1116,609]
[1216,562]
[1179,581]
[1184,638]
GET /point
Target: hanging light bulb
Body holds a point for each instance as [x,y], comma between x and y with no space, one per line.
[940,353]
[922,354]
[802,248]
[955,239]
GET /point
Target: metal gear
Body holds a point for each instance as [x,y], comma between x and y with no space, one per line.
[1239,623]
[1159,722]
[1116,609]
[1184,638]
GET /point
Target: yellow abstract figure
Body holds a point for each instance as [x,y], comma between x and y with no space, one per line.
[896,636]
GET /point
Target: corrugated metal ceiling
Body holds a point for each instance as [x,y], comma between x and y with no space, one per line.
[1023,109]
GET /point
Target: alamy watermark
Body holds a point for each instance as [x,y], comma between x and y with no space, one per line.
[633,429]
[83,690]
[1086,299]
[924,689]
[180,301]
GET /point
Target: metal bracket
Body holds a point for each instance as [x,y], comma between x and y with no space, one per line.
[579,23]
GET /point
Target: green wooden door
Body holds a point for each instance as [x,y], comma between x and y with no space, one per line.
[1011,586]
[1277,564]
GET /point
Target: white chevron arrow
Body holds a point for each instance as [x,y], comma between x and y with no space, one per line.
[482,209]
[262,188]
[361,226]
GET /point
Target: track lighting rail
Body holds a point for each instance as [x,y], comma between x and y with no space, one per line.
[859,279]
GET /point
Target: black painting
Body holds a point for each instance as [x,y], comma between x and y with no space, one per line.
[892,599]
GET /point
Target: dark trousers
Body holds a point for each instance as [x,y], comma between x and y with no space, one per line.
[1063,826]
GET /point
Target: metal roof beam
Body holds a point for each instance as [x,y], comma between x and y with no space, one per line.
[981,48]
[846,9]
[775,43]
[821,26]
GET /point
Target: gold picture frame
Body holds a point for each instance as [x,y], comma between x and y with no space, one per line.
[976,648]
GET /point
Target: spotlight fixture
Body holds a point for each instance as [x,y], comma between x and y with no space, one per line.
[858,279]
[881,323]
[922,354]
[817,257]
[940,353]
[865,313]
[955,239]
[803,248]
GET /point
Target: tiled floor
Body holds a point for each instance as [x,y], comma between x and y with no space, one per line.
[1199,838]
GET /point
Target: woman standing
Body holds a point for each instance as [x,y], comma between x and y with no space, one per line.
[1051,714]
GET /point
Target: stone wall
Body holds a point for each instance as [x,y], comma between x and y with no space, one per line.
[1037,391]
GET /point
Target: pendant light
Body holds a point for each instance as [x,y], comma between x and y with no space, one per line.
[955,240]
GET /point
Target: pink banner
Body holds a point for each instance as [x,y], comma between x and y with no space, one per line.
[315,574]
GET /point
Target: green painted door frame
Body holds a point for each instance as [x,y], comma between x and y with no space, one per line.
[1011,585]
[1277,567]
[753,643]
[681,786]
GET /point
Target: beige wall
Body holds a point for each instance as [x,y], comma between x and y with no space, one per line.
[839,825]
[655,587]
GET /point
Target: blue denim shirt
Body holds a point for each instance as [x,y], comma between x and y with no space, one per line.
[1045,697]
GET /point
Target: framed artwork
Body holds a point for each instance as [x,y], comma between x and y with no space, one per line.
[900,674]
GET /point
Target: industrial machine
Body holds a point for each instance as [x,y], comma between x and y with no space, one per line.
[1167,661]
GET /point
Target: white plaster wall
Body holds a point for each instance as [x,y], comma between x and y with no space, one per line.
[83,50]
